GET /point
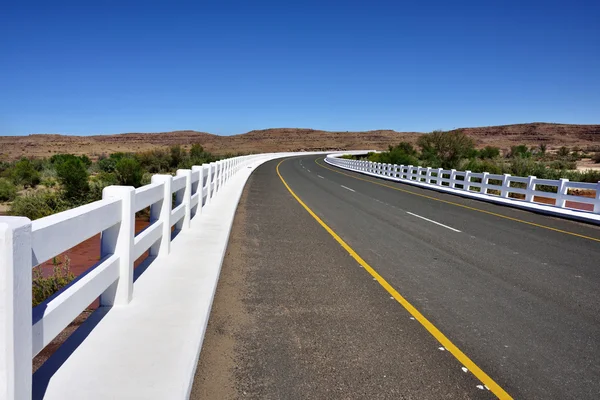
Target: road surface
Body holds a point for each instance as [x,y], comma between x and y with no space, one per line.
[441,283]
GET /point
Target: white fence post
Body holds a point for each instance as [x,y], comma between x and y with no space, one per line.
[184,197]
[161,211]
[439,176]
[467,184]
[453,178]
[561,192]
[505,186]
[484,180]
[118,239]
[428,175]
[200,187]
[209,189]
[530,188]
[15,308]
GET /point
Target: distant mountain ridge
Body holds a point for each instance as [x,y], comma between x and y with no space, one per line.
[291,139]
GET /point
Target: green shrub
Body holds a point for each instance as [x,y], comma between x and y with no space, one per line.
[44,287]
[24,173]
[445,149]
[596,157]
[73,176]
[178,154]
[37,205]
[62,158]
[489,152]
[155,161]
[8,191]
[563,152]
[129,172]
[197,151]
[107,164]
[519,151]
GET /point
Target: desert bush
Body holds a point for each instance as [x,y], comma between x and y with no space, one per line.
[196,151]
[178,155]
[154,161]
[62,158]
[489,152]
[45,287]
[519,151]
[563,164]
[129,172]
[37,205]
[8,191]
[445,149]
[596,157]
[107,164]
[73,176]
[563,152]
[24,173]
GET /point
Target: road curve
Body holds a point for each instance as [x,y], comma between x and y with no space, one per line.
[515,292]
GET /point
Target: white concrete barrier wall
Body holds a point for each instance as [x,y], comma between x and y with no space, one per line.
[486,186]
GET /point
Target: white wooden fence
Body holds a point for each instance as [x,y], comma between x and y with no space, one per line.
[492,185]
[25,244]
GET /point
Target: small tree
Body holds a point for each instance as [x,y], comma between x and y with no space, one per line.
[489,152]
[446,149]
[129,172]
[563,152]
[197,151]
[73,176]
[8,191]
[177,155]
[24,173]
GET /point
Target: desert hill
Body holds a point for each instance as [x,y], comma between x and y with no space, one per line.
[291,139]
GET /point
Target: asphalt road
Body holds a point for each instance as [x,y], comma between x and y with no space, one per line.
[295,316]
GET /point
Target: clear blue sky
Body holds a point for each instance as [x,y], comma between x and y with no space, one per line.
[94,67]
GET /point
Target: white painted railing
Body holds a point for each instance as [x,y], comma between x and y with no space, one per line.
[486,185]
[24,244]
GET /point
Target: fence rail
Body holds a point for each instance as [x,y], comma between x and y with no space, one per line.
[506,186]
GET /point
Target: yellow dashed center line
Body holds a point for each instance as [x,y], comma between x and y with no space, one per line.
[435,332]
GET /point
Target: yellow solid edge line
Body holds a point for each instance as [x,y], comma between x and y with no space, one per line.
[462,205]
[435,332]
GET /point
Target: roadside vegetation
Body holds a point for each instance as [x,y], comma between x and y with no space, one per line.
[455,150]
[36,188]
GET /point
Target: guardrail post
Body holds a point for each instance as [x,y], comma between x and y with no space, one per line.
[409,172]
[199,188]
[118,239]
[597,205]
[428,175]
[209,182]
[467,184]
[561,192]
[161,211]
[439,177]
[419,169]
[185,198]
[453,178]
[15,308]
[505,186]
[484,180]
[530,188]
